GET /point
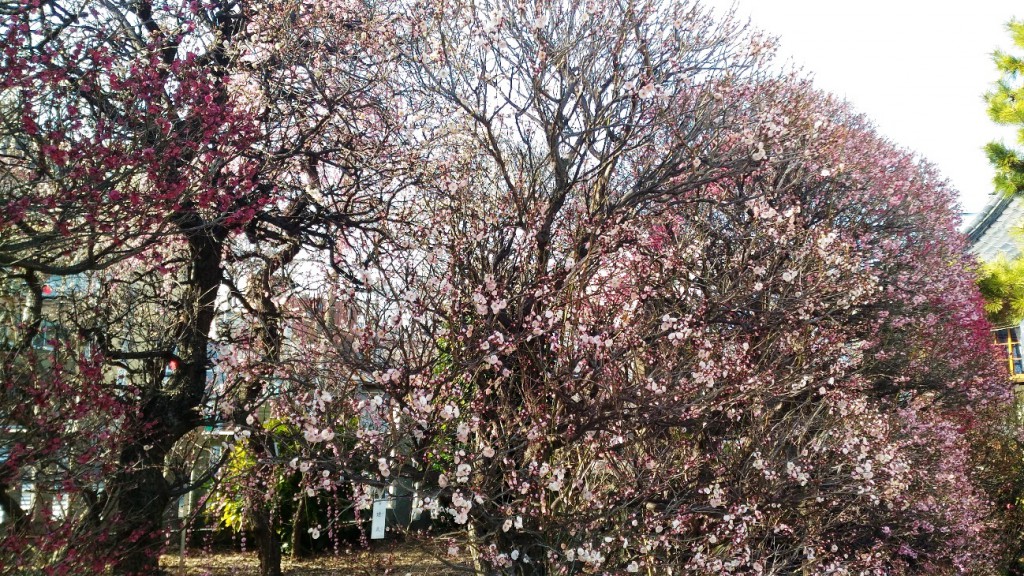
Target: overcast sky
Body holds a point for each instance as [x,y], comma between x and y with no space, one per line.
[917,68]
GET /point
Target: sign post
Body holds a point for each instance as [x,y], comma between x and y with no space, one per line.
[380,511]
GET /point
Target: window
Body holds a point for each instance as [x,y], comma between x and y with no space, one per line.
[49,334]
[1008,341]
[60,505]
[28,496]
[57,286]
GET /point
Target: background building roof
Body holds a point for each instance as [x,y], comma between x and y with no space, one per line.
[994,231]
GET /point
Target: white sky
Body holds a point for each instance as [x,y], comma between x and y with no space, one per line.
[917,68]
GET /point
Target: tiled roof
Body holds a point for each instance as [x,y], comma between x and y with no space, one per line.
[993,232]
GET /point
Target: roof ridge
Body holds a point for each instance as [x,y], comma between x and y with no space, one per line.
[981,225]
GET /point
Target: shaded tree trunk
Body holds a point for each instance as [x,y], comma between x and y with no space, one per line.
[268,542]
[269,335]
[141,497]
[299,527]
[140,493]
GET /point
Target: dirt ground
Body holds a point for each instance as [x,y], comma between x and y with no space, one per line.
[393,559]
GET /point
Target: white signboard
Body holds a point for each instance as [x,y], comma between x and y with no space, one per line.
[380,510]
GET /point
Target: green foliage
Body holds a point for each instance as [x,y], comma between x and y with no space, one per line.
[442,448]
[240,462]
[282,488]
[1006,106]
[1001,283]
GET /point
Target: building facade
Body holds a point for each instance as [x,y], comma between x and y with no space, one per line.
[998,232]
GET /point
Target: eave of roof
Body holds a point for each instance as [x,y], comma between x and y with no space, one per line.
[992,213]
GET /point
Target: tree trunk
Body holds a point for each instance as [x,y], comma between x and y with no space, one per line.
[267,541]
[299,527]
[136,523]
[139,492]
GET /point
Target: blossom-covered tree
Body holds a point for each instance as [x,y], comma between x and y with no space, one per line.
[660,310]
[176,157]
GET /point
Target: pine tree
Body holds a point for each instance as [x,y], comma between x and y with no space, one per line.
[1001,283]
[1006,107]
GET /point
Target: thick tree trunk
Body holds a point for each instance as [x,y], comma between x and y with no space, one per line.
[140,491]
[268,542]
[141,497]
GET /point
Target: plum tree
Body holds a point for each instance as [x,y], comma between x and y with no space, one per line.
[179,156]
[663,309]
